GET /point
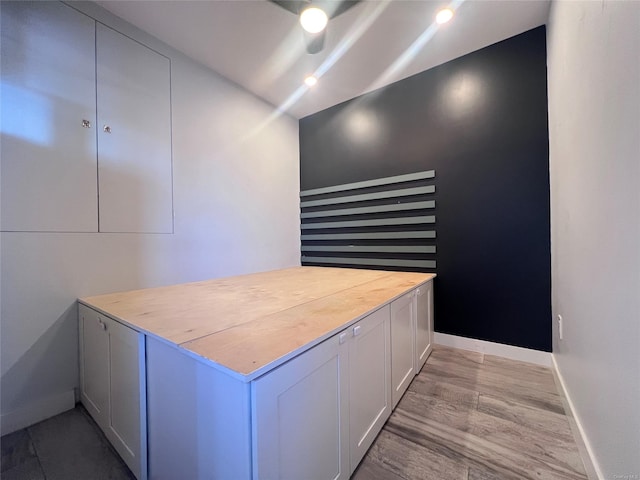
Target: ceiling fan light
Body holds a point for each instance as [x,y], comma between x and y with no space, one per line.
[313,19]
[444,15]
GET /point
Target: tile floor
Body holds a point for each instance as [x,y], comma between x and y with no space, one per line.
[69,446]
[466,416]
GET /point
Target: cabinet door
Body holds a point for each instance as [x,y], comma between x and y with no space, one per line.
[134,136]
[300,427]
[402,346]
[112,384]
[424,324]
[94,364]
[48,168]
[126,395]
[369,381]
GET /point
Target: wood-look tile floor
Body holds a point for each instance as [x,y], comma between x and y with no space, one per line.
[471,416]
[466,416]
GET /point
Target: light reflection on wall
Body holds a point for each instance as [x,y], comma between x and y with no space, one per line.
[464,95]
[365,128]
[25,115]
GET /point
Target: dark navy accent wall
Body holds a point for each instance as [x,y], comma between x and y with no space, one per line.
[479,121]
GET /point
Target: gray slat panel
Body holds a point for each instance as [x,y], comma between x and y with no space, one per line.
[370,223]
[386,262]
[370,248]
[370,183]
[371,236]
[405,192]
[396,207]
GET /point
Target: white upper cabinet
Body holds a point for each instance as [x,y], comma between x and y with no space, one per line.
[48,91]
[134,136]
[86,125]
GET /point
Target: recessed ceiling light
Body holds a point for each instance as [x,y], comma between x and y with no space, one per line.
[313,19]
[444,15]
[311,80]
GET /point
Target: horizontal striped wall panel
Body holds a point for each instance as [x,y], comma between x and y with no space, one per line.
[370,183]
[370,223]
[370,236]
[370,249]
[405,192]
[400,207]
[386,223]
[371,261]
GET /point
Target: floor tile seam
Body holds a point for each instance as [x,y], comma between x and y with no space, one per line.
[35,449]
[520,404]
[466,437]
[565,443]
[548,387]
[428,398]
[562,447]
[475,460]
[457,455]
[563,436]
[483,386]
[522,389]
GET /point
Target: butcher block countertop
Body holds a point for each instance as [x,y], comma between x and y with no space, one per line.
[249,324]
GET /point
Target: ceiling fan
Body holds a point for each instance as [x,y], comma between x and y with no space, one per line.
[314,15]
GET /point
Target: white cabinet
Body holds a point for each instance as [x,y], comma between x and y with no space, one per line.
[424,324]
[86,125]
[316,416]
[48,88]
[369,381]
[134,135]
[300,427]
[402,345]
[112,384]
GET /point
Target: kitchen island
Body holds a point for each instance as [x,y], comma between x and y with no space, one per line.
[282,374]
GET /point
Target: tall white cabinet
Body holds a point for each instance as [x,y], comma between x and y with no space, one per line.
[86,125]
[48,113]
[134,135]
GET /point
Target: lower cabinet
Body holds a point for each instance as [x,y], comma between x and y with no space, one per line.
[402,345]
[112,384]
[369,381]
[313,417]
[424,324]
[316,416]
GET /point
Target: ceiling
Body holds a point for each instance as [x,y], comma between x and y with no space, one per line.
[259,45]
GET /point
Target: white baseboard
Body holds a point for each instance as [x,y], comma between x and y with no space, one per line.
[37,411]
[586,452]
[491,348]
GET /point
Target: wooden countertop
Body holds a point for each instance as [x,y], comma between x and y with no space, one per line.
[251,323]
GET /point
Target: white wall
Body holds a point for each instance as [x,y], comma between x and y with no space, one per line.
[236,211]
[594,113]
